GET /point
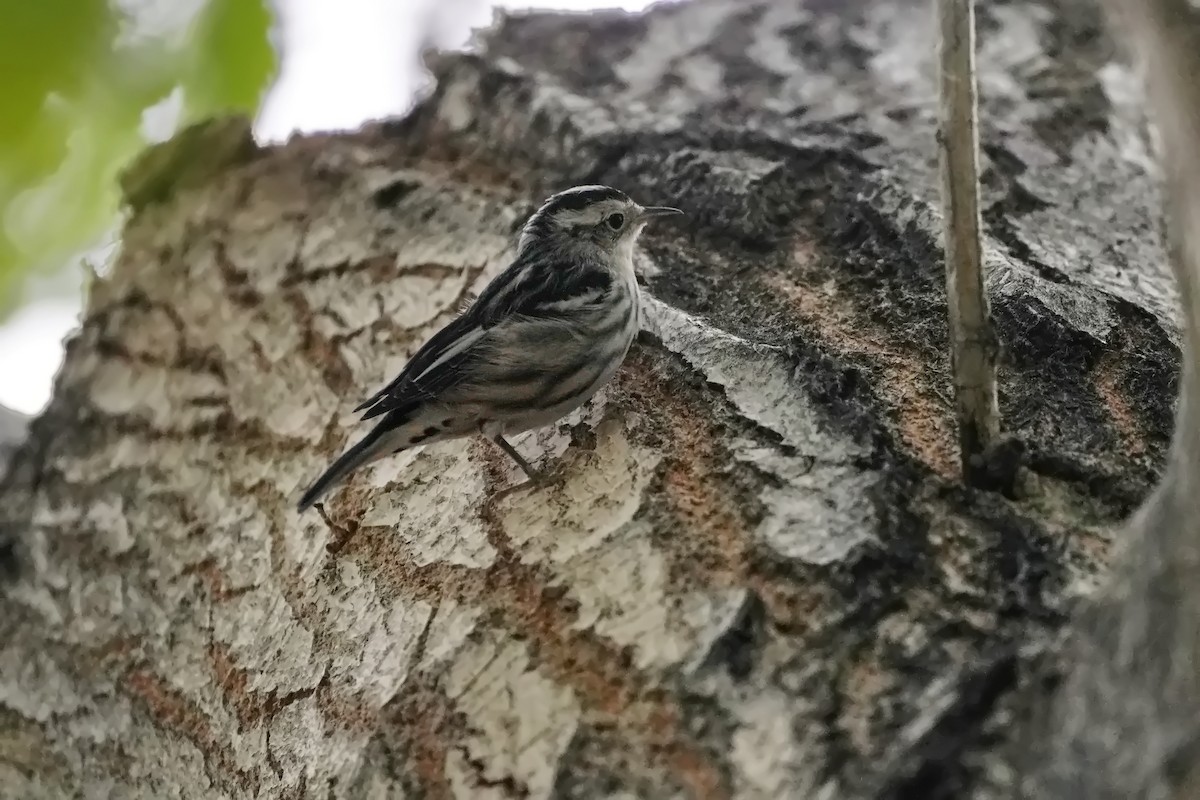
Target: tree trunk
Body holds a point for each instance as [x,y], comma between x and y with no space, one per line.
[12,431]
[755,572]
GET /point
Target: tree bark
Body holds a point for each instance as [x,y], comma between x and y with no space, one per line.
[755,574]
[12,431]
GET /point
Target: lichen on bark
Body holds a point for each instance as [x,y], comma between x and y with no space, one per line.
[755,572]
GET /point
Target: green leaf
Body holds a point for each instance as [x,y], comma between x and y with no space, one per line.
[231,60]
[49,44]
[73,119]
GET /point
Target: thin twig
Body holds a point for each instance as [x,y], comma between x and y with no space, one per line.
[972,340]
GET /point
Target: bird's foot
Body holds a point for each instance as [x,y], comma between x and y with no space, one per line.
[536,477]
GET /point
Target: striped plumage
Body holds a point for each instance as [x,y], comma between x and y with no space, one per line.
[537,343]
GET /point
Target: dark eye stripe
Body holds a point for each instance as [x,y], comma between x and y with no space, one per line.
[559,286]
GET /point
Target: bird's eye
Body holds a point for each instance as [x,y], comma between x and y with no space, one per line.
[615,221]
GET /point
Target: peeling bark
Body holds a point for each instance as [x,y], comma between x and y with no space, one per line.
[755,574]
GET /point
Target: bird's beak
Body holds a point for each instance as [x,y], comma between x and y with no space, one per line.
[658,211]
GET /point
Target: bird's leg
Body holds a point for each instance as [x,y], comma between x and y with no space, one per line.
[525,466]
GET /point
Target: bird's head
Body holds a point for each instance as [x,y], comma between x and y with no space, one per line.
[594,217]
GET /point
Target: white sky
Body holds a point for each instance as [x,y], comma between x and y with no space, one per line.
[345,63]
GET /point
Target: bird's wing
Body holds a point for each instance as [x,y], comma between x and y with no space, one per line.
[525,290]
[435,366]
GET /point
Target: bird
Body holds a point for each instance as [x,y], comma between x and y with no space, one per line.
[539,341]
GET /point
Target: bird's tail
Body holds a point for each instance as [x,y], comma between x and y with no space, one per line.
[376,444]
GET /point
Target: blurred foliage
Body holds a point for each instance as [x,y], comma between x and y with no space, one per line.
[78,77]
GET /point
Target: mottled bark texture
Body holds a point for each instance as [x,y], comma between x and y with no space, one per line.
[1125,720]
[756,573]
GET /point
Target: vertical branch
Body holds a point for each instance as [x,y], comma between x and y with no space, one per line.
[972,341]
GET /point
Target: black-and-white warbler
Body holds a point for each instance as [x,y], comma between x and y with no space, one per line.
[537,343]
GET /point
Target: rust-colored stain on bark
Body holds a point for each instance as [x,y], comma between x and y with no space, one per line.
[716,546]
[522,599]
[249,706]
[350,712]
[925,422]
[696,772]
[420,721]
[862,684]
[172,711]
[1124,417]
[601,675]
[716,539]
